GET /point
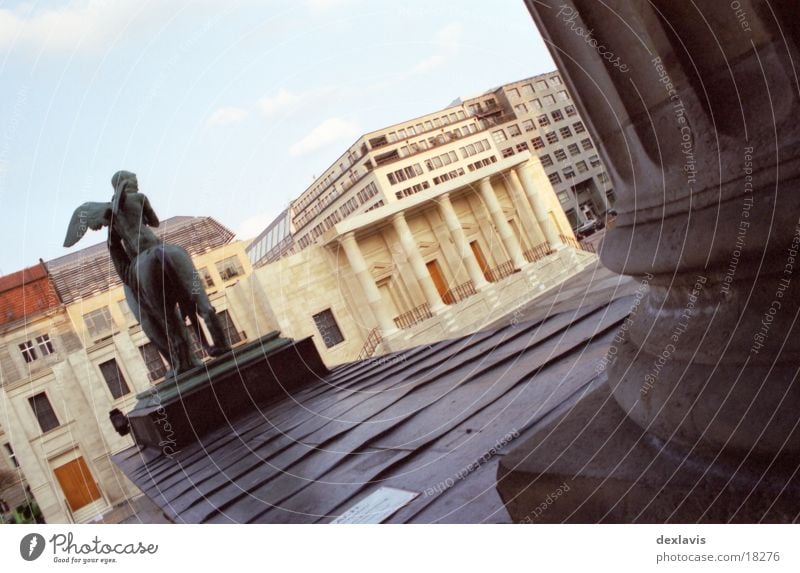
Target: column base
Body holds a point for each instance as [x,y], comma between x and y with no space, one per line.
[593,464]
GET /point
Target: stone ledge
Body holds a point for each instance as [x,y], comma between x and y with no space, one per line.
[616,473]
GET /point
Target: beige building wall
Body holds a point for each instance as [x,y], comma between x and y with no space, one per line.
[407,280]
[80,397]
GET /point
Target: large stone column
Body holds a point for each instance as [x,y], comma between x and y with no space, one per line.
[417,263]
[521,175]
[501,224]
[460,239]
[694,111]
[373,295]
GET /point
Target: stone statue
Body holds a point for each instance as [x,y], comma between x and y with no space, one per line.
[162,287]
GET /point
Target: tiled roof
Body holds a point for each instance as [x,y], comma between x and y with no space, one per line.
[26,293]
[433,420]
[89,271]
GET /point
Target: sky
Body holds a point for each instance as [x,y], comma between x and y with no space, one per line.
[223,108]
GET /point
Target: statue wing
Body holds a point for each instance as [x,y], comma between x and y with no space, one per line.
[88,216]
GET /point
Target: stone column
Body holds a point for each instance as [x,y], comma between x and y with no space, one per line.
[704,383]
[503,228]
[417,263]
[461,243]
[521,175]
[359,266]
[523,204]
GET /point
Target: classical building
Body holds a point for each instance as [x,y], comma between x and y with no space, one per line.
[72,351]
[397,162]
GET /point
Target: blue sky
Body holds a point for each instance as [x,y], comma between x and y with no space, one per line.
[222,108]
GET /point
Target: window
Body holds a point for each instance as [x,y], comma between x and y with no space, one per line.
[45,345]
[563,197]
[537,104]
[594,161]
[114,379]
[543,120]
[126,312]
[563,95]
[586,143]
[28,351]
[570,110]
[11,455]
[98,322]
[565,132]
[152,359]
[513,92]
[551,137]
[569,173]
[521,108]
[513,130]
[43,411]
[547,161]
[579,128]
[508,152]
[537,143]
[527,125]
[229,268]
[555,81]
[573,149]
[328,329]
[560,155]
[549,100]
[230,329]
[557,115]
[582,167]
[522,146]
[499,135]
[527,89]
[541,85]
[554,178]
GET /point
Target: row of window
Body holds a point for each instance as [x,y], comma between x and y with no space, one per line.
[274,237]
[404,174]
[115,380]
[482,163]
[551,136]
[423,126]
[437,140]
[474,148]
[448,176]
[528,89]
[408,191]
[347,208]
[441,160]
[38,347]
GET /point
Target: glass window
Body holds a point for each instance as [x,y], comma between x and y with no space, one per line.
[565,132]
[537,143]
[11,455]
[499,135]
[527,125]
[45,345]
[152,359]
[549,100]
[551,137]
[44,412]
[328,328]
[229,268]
[547,161]
[231,333]
[554,178]
[513,130]
[114,379]
[98,322]
[28,351]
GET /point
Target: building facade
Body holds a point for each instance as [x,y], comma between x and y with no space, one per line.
[74,352]
[534,115]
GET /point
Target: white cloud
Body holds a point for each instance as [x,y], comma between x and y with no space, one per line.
[80,23]
[286,101]
[329,131]
[448,43]
[227,116]
[252,226]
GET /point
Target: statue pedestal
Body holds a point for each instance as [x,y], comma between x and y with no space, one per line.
[593,464]
[182,410]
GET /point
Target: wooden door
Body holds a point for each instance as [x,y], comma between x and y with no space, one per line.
[476,250]
[438,280]
[77,483]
